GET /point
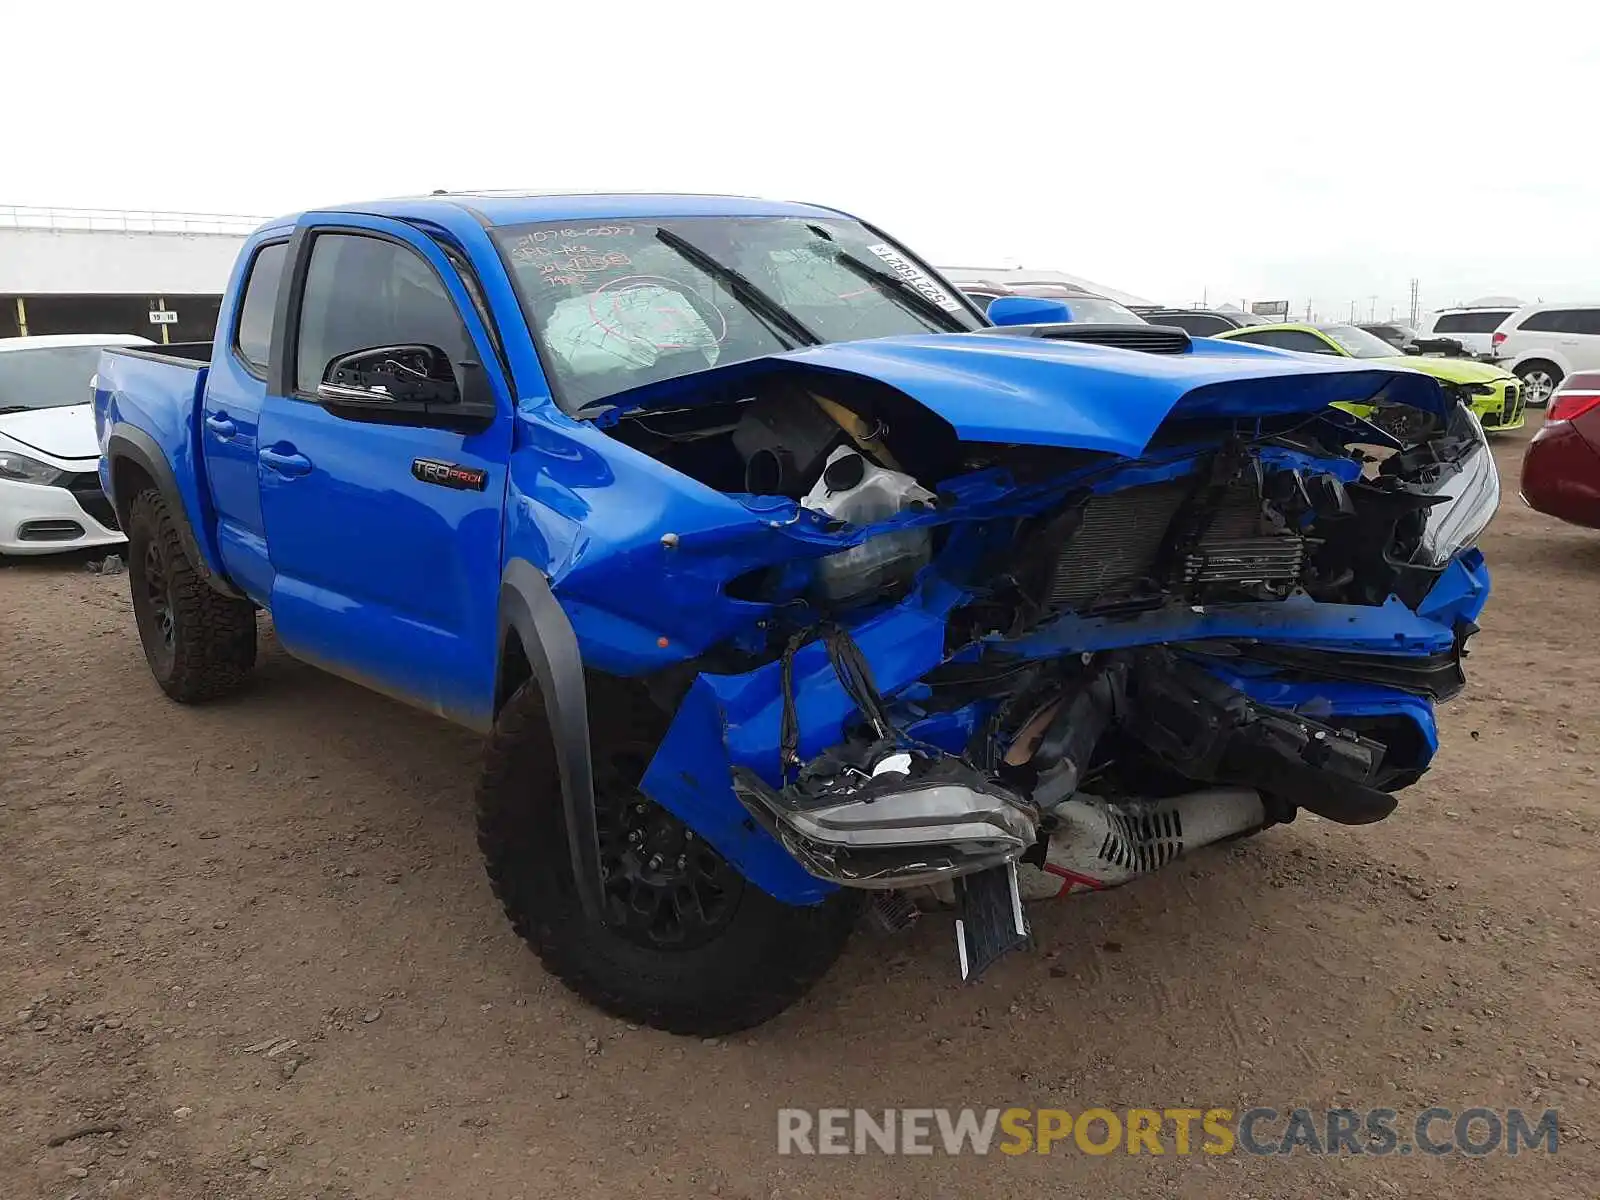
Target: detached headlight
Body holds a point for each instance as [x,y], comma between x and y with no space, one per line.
[22,469]
[1469,487]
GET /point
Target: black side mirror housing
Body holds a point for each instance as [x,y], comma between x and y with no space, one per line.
[409,384]
[1411,348]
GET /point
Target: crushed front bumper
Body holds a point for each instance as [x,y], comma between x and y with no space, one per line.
[720,768]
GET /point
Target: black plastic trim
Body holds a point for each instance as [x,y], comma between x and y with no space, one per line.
[529,607]
[130,443]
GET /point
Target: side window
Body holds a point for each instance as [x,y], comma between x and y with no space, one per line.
[1583,320]
[252,338]
[1552,320]
[362,292]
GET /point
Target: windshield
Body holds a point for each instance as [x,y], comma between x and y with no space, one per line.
[1099,310]
[47,378]
[616,306]
[1358,343]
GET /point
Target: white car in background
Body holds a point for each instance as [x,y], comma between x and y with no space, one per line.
[50,497]
[1472,325]
[1544,343]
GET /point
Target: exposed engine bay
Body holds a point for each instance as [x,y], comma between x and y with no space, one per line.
[979,672]
[1327,505]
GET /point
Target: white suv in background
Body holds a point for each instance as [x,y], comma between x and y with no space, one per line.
[1469,324]
[1544,343]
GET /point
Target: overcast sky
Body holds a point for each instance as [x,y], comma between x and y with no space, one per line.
[1322,152]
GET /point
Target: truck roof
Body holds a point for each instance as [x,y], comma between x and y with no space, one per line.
[515,207]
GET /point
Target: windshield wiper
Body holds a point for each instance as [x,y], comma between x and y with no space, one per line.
[781,321]
[15,408]
[947,321]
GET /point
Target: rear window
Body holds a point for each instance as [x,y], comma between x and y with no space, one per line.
[1195,324]
[1470,322]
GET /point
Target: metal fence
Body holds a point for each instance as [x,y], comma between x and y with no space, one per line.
[114,220]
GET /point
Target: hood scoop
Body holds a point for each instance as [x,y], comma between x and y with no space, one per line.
[1152,339]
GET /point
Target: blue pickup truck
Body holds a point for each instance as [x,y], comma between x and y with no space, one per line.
[788,587]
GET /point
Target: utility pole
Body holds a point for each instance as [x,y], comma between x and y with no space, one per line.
[1414,313]
[1372,308]
[1308,312]
[1352,312]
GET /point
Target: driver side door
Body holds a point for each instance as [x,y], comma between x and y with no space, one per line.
[385,568]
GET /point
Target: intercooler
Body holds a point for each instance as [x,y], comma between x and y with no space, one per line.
[1115,554]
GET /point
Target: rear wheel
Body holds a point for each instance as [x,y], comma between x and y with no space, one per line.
[688,945]
[199,643]
[1539,379]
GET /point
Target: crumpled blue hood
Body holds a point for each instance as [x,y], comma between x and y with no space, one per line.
[1037,391]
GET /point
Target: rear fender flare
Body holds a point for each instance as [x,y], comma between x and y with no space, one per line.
[128,443]
[528,607]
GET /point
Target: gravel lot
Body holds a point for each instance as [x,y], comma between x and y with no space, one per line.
[257,937]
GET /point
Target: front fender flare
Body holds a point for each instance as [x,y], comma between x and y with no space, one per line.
[528,607]
[129,443]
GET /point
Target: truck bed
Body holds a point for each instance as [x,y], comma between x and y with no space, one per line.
[152,396]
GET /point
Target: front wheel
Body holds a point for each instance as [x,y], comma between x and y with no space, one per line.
[688,945]
[1539,380]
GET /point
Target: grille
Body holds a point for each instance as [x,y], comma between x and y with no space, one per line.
[49,531]
[85,489]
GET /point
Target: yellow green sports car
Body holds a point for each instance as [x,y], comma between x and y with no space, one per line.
[1495,395]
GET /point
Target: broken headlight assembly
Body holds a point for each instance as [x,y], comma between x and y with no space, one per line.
[1466,483]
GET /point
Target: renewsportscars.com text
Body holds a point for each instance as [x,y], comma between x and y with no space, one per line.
[1473,1131]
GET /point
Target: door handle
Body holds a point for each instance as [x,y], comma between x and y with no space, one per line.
[286,461]
[220,425]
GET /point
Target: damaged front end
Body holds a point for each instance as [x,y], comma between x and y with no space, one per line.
[977,618]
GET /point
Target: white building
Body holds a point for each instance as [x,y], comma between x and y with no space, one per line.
[104,271]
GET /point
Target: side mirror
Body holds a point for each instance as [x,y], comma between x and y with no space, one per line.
[392,377]
[410,384]
[1411,348]
[1028,310]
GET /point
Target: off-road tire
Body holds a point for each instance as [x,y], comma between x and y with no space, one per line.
[199,643]
[764,959]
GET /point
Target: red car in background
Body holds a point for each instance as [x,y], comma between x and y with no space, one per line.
[1561,471]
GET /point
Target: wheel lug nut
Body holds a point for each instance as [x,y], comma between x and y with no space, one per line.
[655,862]
[682,861]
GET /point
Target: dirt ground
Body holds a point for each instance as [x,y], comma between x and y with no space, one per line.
[185,889]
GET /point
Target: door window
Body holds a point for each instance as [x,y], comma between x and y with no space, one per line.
[253,338]
[363,292]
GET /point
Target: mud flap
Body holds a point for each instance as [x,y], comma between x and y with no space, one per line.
[992,922]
